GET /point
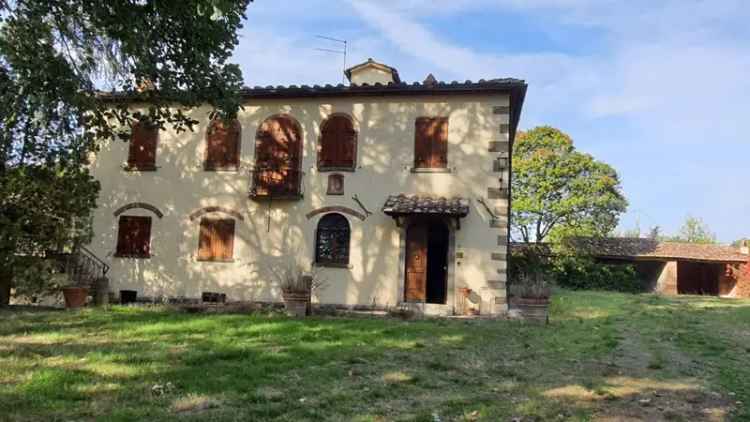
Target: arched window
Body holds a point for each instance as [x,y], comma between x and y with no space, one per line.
[332,240]
[338,144]
[278,158]
[223,145]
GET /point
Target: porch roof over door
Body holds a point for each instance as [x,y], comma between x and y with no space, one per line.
[425,205]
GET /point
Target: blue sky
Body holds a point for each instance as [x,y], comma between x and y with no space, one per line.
[660,89]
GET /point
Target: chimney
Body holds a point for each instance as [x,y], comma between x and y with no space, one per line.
[745,248]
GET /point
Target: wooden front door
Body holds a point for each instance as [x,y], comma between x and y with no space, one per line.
[278,157]
[415,287]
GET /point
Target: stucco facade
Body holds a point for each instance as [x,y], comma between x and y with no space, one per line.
[270,233]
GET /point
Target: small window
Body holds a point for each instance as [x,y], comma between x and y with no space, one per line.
[338,144]
[332,241]
[431,142]
[216,240]
[335,184]
[142,152]
[134,237]
[223,145]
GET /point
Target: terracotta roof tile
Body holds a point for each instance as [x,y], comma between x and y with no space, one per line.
[426,205]
[648,248]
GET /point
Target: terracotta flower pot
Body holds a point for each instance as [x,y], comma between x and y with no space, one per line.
[75,297]
[296,303]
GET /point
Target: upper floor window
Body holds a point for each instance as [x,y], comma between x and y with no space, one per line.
[332,240]
[142,152]
[216,239]
[431,143]
[223,145]
[278,159]
[338,144]
[134,237]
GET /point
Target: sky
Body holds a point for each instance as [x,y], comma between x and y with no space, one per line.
[659,89]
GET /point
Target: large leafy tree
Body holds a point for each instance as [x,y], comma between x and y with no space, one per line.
[559,191]
[56,56]
[694,230]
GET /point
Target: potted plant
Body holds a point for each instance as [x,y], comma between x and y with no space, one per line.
[297,287]
[75,296]
[530,295]
[530,288]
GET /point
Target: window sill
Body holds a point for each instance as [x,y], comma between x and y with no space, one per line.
[139,167]
[228,169]
[431,170]
[333,265]
[220,261]
[132,256]
[334,168]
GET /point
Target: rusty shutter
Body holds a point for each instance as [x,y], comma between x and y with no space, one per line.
[431,142]
[134,237]
[223,145]
[142,151]
[216,240]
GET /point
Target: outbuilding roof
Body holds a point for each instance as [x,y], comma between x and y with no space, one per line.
[638,248]
[399,205]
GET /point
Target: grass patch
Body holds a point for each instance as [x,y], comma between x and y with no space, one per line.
[605,355]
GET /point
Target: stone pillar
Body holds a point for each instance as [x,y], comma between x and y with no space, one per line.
[667,281]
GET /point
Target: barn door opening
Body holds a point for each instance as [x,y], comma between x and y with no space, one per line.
[426,263]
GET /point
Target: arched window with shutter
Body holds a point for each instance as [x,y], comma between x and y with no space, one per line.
[278,158]
[223,145]
[337,150]
[332,240]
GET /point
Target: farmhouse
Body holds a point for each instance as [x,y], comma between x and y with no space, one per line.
[397,192]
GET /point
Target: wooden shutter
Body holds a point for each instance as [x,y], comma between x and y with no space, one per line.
[142,152]
[440,143]
[134,237]
[216,240]
[431,142]
[223,145]
[338,144]
[278,157]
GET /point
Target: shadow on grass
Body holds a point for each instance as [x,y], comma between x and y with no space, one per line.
[258,367]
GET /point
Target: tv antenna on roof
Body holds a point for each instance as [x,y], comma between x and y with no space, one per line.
[342,51]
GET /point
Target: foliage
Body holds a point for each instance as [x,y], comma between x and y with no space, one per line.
[529,272]
[55,55]
[294,277]
[559,191]
[584,273]
[37,277]
[694,230]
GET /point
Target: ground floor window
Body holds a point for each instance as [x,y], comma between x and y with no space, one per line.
[332,240]
[134,237]
[216,240]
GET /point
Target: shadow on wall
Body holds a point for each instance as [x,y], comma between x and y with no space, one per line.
[276,231]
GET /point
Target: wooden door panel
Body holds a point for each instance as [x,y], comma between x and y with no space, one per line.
[415,284]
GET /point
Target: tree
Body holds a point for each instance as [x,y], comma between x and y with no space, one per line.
[694,230]
[558,191]
[55,56]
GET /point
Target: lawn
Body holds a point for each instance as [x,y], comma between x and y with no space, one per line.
[605,356]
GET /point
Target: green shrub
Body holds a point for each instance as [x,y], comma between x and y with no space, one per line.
[583,273]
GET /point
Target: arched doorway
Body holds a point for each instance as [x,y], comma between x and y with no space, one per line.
[426,272]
